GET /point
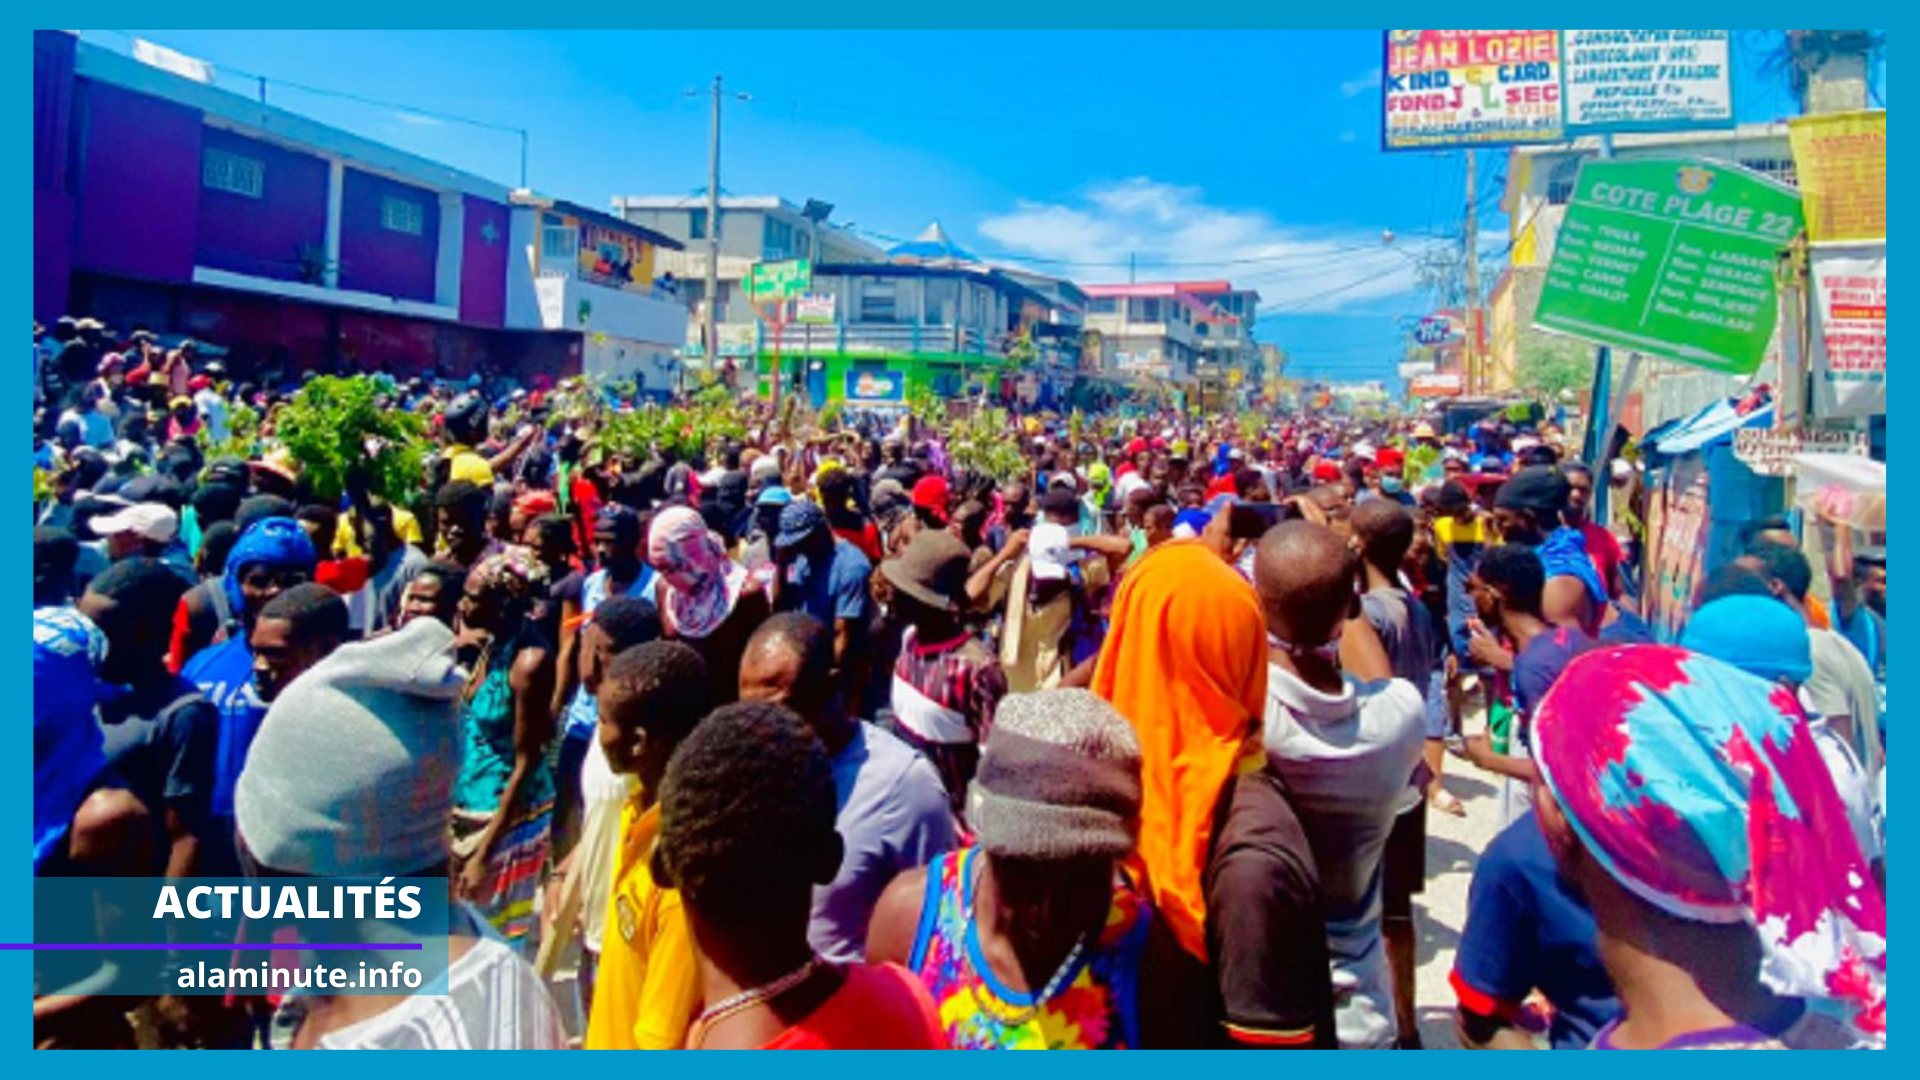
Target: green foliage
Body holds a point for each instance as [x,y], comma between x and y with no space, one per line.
[1548,365]
[337,427]
[699,426]
[243,435]
[1021,351]
[42,485]
[1420,458]
[987,441]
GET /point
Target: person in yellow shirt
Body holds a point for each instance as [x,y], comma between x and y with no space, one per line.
[647,991]
[466,426]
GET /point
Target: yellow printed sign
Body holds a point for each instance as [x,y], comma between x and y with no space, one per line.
[1841,160]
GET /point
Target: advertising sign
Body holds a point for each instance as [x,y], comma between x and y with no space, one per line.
[1646,80]
[1849,329]
[1671,258]
[813,310]
[1770,451]
[1447,88]
[615,259]
[1840,160]
[1437,329]
[779,280]
[1437,384]
[871,386]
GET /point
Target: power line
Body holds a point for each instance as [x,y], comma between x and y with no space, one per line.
[266,81]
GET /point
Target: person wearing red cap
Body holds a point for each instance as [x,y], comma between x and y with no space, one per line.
[930,501]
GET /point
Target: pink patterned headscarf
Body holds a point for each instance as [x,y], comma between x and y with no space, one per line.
[701,583]
[1699,789]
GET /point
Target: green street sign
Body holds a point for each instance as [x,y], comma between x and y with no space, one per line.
[779,280]
[1671,258]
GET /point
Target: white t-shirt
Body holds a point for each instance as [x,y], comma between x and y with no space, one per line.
[1842,685]
[213,412]
[1345,758]
[492,1000]
[604,792]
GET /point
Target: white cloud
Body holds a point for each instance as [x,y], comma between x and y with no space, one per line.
[417,120]
[1174,233]
[1361,83]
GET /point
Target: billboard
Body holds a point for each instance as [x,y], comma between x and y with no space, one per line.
[1646,80]
[1849,329]
[1841,162]
[875,386]
[1437,384]
[1447,88]
[619,260]
[814,310]
[1673,258]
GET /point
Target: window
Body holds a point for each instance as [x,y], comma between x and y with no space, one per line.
[1560,182]
[939,305]
[1780,169]
[877,303]
[696,224]
[779,238]
[1145,311]
[232,173]
[559,239]
[805,244]
[402,215]
[1103,305]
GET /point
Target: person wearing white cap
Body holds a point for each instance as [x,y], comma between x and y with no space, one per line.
[146,529]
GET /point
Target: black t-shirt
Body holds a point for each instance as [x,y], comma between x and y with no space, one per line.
[1266,934]
[161,740]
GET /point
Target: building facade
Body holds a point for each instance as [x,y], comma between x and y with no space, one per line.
[598,277]
[1189,333]
[946,330]
[164,202]
[752,229]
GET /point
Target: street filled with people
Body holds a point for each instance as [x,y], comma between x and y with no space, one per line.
[950,725]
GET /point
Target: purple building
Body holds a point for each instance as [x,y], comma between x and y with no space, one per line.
[166,202]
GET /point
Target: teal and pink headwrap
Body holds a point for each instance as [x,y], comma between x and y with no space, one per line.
[1698,787]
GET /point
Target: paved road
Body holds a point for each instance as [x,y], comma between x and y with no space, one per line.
[1453,846]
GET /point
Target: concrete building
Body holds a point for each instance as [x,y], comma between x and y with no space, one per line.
[592,275]
[1197,333]
[949,330]
[753,229]
[165,202]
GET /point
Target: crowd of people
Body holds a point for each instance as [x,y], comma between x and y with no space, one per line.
[822,739]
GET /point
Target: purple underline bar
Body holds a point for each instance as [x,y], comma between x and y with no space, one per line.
[294,947]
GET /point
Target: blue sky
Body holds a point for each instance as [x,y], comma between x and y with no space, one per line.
[1259,149]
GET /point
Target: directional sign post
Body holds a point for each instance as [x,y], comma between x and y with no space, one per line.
[770,286]
[779,281]
[1671,258]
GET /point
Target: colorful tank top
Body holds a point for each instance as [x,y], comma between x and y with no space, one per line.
[1097,1010]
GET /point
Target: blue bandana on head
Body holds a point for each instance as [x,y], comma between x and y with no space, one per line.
[67,745]
[274,541]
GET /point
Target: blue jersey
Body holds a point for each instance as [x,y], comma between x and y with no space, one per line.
[224,673]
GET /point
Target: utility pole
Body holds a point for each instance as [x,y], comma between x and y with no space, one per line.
[713,241]
[1471,236]
[1129,267]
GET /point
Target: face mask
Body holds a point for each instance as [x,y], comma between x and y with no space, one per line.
[1392,485]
